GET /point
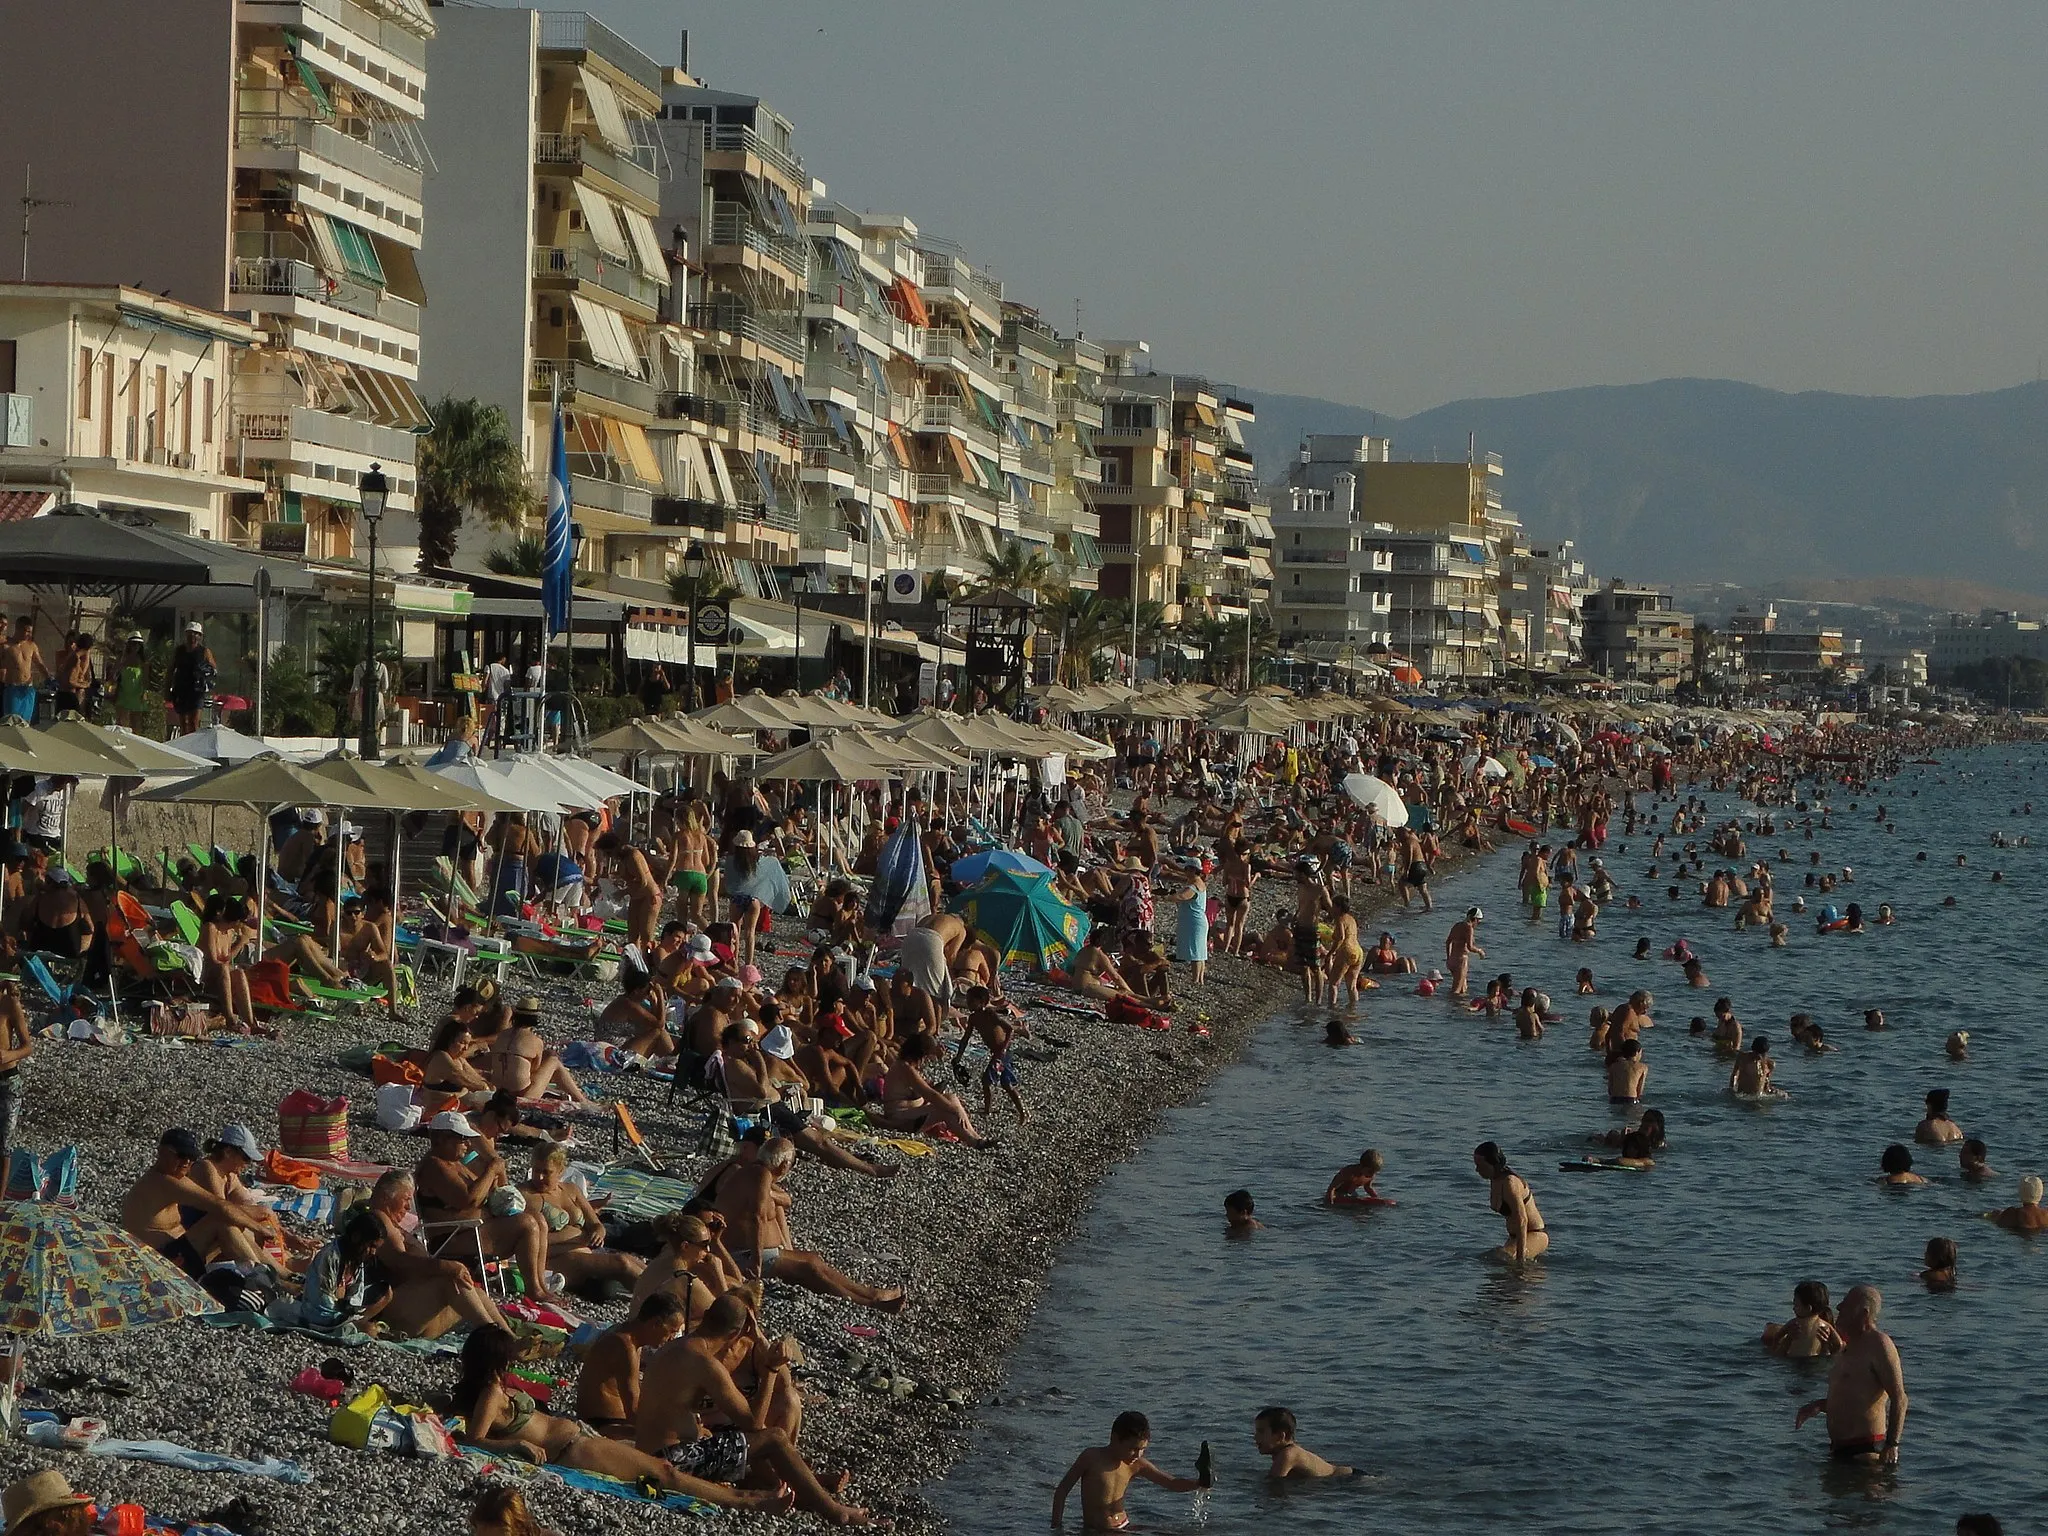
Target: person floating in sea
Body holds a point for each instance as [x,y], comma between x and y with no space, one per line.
[1511,1200]
[1273,1434]
[1104,1474]
[1238,1217]
[1866,1399]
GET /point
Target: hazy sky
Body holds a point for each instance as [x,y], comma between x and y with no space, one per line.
[1397,205]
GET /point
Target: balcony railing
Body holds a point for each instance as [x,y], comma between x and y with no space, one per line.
[737,137]
[255,130]
[612,496]
[634,170]
[560,261]
[577,32]
[946,415]
[688,512]
[735,321]
[1036,401]
[577,377]
[687,407]
[1022,333]
[287,276]
[732,224]
[946,488]
[389,445]
[1116,551]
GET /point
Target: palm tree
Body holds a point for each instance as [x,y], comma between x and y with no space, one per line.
[526,555]
[470,461]
[709,589]
[1087,622]
[1017,565]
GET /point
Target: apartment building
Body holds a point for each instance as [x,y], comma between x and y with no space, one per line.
[1634,634]
[266,160]
[1332,587]
[1540,594]
[1448,540]
[116,398]
[1028,354]
[1777,651]
[1963,639]
[1139,499]
[546,187]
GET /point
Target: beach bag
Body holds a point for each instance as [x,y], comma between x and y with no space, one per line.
[349,1424]
[396,1110]
[310,1126]
[180,1021]
[430,1437]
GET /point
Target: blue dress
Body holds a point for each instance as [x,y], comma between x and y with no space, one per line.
[1191,928]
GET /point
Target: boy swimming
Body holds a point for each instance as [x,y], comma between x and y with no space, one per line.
[1273,1434]
[1104,1475]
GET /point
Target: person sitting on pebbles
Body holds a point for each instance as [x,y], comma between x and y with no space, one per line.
[1095,972]
[522,1064]
[755,1205]
[185,1221]
[576,1232]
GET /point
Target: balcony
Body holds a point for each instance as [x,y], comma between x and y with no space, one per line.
[574,153]
[944,488]
[286,136]
[578,379]
[1135,495]
[732,225]
[611,496]
[686,407]
[567,264]
[1035,462]
[943,274]
[952,347]
[780,336]
[829,371]
[273,434]
[287,277]
[576,32]
[1040,344]
[688,512]
[946,415]
[1035,403]
[736,138]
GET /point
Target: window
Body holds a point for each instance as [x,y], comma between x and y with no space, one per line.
[106,407]
[85,383]
[206,417]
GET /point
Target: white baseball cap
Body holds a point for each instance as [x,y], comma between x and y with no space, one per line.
[1474,914]
[454,1122]
[242,1139]
[779,1043]
[195,628]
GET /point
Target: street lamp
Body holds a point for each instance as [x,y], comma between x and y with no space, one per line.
[371,491]
[944,606]
[693,567]
[799,584]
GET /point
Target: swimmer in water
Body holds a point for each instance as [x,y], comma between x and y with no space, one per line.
[1529,1016]
[1937,1130]
[1695,973]
[1873,1018]
[1752,1075]
[1958,1045]
[1586,988]
[1940,1259]
[1626,1074]
[1104,1474]
[1509,1196]
[1780,936]
[2027,1216]
[1238,1220]
[1334,1033]
[1811,1330]
[1973,1162]
[1897,1164]
[1598,1019]
[1727,1028]
[1273,1434]
[1885,917]
[1866,1399]
[1354,1180]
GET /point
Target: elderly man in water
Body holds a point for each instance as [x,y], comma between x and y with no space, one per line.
[1866,1399]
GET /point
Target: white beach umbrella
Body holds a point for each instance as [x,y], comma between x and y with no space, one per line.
[1380,796]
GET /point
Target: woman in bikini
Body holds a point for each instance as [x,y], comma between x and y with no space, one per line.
[1508,1194]
[223,935]
[522,1064]
[576,1234]
[1385,959]
[448,1069]
[1346,958]
[910,1102]
[686,1265]
[499,1418]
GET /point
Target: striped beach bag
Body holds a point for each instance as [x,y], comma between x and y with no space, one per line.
[310,1126]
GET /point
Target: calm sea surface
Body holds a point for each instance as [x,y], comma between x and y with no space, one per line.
[1619,1386]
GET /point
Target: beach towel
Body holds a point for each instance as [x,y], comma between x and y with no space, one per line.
[346,1171]
[313,1206]
[165,1453]
[279,1169]
[638,1193]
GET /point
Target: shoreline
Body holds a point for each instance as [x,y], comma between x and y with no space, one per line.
[973,1235]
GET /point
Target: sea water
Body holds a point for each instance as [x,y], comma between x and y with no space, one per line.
[1617,1385]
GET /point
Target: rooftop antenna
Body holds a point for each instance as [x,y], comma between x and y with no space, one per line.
[29,204]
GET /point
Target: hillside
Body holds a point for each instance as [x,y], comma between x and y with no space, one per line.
[1701,479]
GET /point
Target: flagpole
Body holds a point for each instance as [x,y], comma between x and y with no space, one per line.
[547,570]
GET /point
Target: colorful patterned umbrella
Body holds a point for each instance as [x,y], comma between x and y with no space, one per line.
[63,1274]
[970,869]
[1024,919]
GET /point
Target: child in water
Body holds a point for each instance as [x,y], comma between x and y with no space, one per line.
[1273,1434]
[1104,1474]
[1238,1220]
[1354,1180]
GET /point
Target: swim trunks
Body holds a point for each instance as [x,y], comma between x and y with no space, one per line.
[1418,874]
[749,1258]
[1613,1098]
[1305,943]
[1856,1450]
[1001,1072]
[692,882]
[1538,900]
[19,699]
[179,1251]
[720,1457]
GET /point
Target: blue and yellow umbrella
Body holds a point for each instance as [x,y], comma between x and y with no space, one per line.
[1024,919]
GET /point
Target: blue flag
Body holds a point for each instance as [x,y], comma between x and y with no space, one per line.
[556,577]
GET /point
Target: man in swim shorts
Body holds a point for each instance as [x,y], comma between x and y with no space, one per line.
[1460,946]
[1866,1400]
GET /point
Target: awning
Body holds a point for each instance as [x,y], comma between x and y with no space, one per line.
[605,111]
[358,252]
[1204,414]
[991,413]
[785,216]
[602,221]
[873,364]
[904,515]
[836,419]
[606,335]
[1087,554]
[307,78]
[696,469]
[326,247]
[962,460]
[646,243]
[785,397]
[632,449]
[899,447]
[726,493]
[764,476]
[911,300]
[1260,525]
[84,553]
[991,475]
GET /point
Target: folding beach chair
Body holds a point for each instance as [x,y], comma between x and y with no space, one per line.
[626,1133]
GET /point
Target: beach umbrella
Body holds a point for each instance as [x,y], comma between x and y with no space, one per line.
[1022,917]
[750,712]
[1380,796]
[222,744]
[23,750]
[969,871]
[640,738]
[518,782]
[64,1274]
[586,776]
[1251,717]
[1538,760]
[1491,768]
[138,753]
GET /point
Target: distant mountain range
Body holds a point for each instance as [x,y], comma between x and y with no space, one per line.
[1688,480]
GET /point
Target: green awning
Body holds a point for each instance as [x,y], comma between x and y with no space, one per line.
[1086,439]
[1086,554]
[990,413]
[358,251]
[312,81]
[990,473]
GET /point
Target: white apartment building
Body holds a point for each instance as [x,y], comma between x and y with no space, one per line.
[1331,573]
[1541,592]
[116,398]
[266,160]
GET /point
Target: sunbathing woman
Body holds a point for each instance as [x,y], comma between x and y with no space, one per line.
[522,1064]
[910,1102]
[576,1233]
[686,1265]
[223,934]
[448,1068]
[500,1419]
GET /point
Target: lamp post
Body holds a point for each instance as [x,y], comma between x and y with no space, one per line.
[945,607]
[799,584]
[693,567]
[372,490]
